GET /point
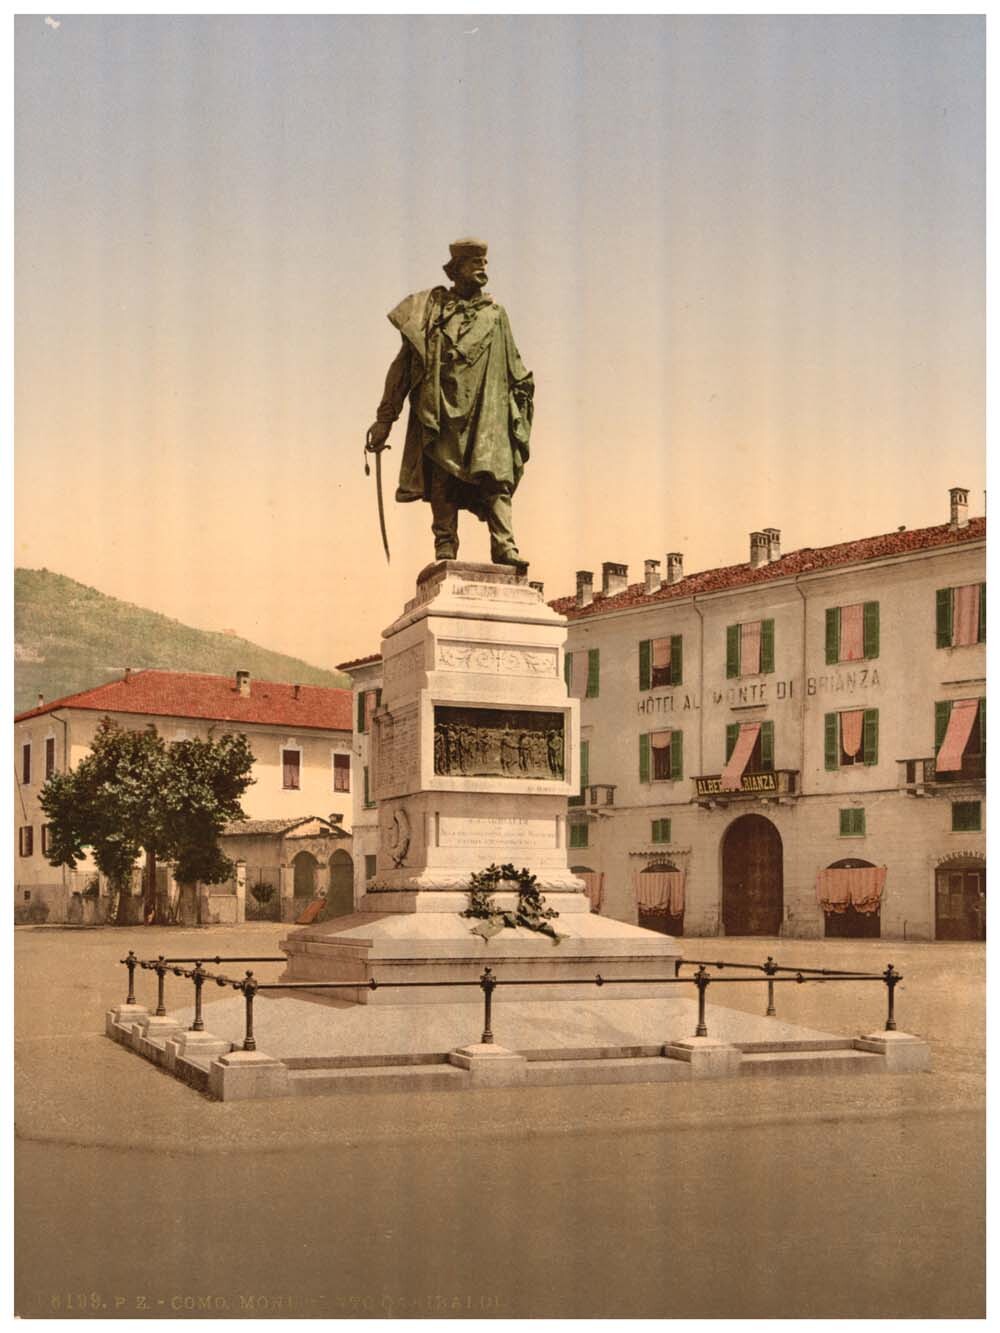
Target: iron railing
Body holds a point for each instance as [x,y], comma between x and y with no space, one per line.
[488,981]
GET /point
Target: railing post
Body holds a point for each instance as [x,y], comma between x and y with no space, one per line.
[488,982]
[770,967]
[160,968]
[892,979]
[249,989]
[130,962]
[701,980]
[198,977]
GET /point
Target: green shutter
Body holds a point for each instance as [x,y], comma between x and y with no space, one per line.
[852,823]
[831,740]
[676,659]
[732,733]
[644,757]
[869,742]
[732,650]
[593,673]
[661,830]
[871,629]
[942,714]
[645,664]
[378,697]
[982,613]
[567,669]
[945,600]
[767,645]
[966,817]
[361,710]
[367,798]
[845,823]
[832,634]
[584,763]
[676,755]
[767,746]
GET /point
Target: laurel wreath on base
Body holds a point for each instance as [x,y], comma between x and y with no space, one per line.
[530,912]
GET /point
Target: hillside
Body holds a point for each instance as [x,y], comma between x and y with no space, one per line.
[68,637]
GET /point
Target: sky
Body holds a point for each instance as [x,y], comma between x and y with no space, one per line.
[744,258]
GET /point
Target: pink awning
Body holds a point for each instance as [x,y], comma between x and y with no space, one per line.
[965,621]
[860,888]
[750,648]
[660,740]
[960,724]
[594,881]
[660,889]
[851,725]
[742,750]
[661,654]
[578,676]
[852,632]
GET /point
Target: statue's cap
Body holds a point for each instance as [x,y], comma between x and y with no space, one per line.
[468,248]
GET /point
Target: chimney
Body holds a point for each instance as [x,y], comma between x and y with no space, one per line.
[652,576]
[295,691]
[773,536]
[538,587]
[614,578]
[584,587]
[41,701]
[959,507]
[243,684]
[758,549]
[675,566]
[128,672]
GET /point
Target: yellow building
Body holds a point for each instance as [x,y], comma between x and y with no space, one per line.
[795,745]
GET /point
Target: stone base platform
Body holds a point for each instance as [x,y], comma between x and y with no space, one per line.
[419,941]
[308,1047]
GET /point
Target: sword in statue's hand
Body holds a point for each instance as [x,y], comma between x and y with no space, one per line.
[376,449]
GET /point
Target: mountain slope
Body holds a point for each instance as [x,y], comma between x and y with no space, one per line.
[68,637]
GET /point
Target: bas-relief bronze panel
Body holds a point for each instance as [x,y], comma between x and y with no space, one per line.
[498,743]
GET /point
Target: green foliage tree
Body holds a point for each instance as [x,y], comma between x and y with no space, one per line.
[133,793]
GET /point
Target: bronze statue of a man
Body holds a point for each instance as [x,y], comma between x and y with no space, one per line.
[470,405]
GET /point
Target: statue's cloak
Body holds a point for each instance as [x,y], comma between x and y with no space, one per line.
[470,395]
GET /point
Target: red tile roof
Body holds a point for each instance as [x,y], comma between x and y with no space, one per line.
[359,661]
[187,694]
[806,560]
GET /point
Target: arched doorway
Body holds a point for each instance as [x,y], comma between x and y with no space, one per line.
[852,924]
[960,899]
[340,895]
[753,901]
[662,918]
[304,867]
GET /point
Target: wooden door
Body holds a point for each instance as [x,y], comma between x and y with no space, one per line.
[752,883]
[961,903]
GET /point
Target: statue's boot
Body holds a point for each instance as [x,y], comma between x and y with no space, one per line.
[503,547]
[444,516]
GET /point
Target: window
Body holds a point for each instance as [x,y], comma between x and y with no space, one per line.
[371,863]
[966,817]
[45,838]
[851,632]
[26,763]
[341,772]
[852,823]
[578,834]
[50,756]
[368,701]
[291,764]
[661,756]
[961,615]
[750,648]
[761,758]
[851,737]
[661,830]
[960,739]
[368,802]
[582,672]
[661,662]
[584,775]
[26,840]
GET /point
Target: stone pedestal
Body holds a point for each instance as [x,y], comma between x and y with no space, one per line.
[903,1053]
[474,750]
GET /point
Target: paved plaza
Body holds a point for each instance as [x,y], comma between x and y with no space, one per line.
[138,1196]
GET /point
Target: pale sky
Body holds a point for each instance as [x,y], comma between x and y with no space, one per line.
[744,258]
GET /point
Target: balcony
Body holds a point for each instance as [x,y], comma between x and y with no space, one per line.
[594,796]
[919,777]
[779,785]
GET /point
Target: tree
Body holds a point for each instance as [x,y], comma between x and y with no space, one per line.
[133,793]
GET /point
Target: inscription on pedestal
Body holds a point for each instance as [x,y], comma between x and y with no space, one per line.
[498,743]
[395,752]
[515,835]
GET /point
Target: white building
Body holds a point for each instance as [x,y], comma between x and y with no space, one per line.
[300,736]
[795,745]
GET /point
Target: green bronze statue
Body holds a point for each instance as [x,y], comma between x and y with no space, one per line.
[470,406]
